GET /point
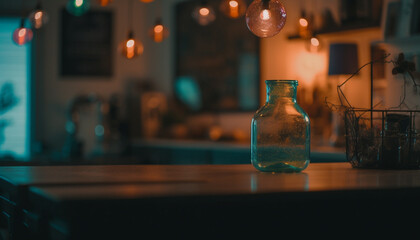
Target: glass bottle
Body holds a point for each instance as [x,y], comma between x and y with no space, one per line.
[280,131]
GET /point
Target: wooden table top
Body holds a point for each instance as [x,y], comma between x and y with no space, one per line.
[116,197]
[176,180]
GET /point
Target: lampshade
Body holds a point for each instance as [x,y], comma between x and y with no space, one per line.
[343,59]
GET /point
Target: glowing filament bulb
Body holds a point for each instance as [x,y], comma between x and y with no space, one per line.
[265,14]
[158,36]
[314,42]
[22,32]
[233,4]
[37,22]
[158,28]
[158,32]
[204,11]
[313,45]
[265,18]
[303,22]
[204,14]
[130,43]
[131,47]
[233,9]
[22,35]
[38,15]
[78,3]
[78,7]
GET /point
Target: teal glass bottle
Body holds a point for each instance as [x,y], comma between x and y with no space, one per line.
[280,131]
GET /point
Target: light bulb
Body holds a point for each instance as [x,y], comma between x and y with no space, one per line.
[104,3]
[265,14]
[38,17]
[204,11]
[78,7]
[158,32]
[131,47]
[313,44]
[265,18]
[303,22]
[22,35]
[233,8]
[204,14]
[304,31]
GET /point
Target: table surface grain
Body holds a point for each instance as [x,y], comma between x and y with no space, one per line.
[137,181]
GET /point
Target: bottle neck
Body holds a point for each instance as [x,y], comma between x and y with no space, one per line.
[281,90]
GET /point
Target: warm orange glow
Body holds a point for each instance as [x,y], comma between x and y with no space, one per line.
[233,4]
[130,48]
[265,14]
[303,22]
[38,15]
[37,22]
[22,33]
[104,3]
[215,133]
[308,66]
[130,43]
[233,9]
[158,33]
[314,42]
[158,36]
[158,28]
[204,11]
[21,40]
[146,1]
[130,53]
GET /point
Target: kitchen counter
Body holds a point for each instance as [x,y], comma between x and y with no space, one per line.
[167,151]
[132,201]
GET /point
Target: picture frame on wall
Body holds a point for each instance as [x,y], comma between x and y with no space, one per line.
[404,20]
[217,65]
[390,21]
[86,44]
[415,20]
[361,13]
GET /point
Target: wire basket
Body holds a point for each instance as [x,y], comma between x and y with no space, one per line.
[382,138]
[387,138]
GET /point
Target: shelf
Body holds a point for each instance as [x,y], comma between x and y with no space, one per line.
[401,44]
[339,30]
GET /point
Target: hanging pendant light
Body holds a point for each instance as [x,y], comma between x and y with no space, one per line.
[158,32]
[78,7]
[38,17]
[204,14]
[131,47]
[265,18]
[104,3]
[233,8]
[313,44]
[22,34]
[304,26]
